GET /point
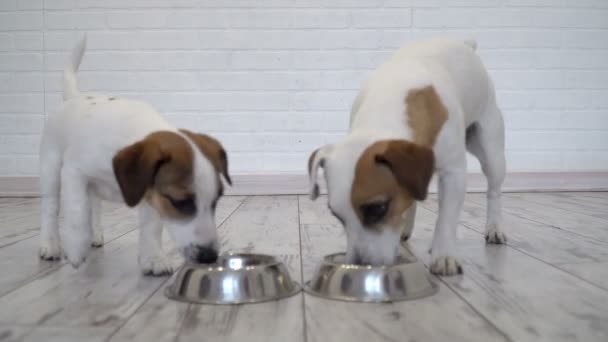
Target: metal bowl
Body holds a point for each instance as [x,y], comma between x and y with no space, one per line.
[236,278]
[406,279]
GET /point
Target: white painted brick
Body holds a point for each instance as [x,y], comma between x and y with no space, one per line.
[509,59]
[543,161]
[26,20]
[444,17]
[599,99]
[258,101]
[260,60]
[326,18]
[586,160]
[8,123]
[558,99]
[589,4]
[8,5]
[331,80]
[584,120]
[28,165]
[20,103]
[194,60]
[59,4]
[317,101]
[6,42]
[527,119]
[6,84]
[382,18]
[537,3]
[63,41]
[324,60]
[30,4]
[29,41]
[591,39]
[8,164]
[519,38]
[137,19]
[23,144]
[20,62]
[260,19]
[556,140]
[246,80]
[28,82]
[571,59]
[198,19]
[29,123]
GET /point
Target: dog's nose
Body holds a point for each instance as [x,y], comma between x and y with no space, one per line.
[205,254]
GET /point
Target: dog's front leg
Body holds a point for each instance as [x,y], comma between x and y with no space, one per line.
[77,230]
[451,197]
[152,259]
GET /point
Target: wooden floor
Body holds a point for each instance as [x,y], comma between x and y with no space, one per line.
[549,284]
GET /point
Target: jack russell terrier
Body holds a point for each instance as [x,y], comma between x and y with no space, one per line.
[416,114]
[100,147]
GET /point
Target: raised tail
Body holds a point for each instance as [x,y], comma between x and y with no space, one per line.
[70,84]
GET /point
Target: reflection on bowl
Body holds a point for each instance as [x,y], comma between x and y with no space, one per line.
[234,279]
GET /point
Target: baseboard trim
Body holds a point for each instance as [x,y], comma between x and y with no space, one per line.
[291,184]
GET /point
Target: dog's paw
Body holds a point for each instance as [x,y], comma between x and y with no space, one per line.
[446,266]
[495,235]
[76,253]
[50,250]
[156,266]
[97,241]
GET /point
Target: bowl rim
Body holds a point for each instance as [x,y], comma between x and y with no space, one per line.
[328,260]
[219,268]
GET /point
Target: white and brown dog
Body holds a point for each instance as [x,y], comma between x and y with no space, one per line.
[99,147]
[417,114]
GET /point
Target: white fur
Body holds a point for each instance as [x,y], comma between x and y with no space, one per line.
[465,89]
[78,144]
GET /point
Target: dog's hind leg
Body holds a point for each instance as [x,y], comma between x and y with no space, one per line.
[77,230]
[97,240]
[486,140]
[50,183]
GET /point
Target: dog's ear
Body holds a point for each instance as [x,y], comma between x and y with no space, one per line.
[316,160]
[135,168]
[213,150]
[412,165]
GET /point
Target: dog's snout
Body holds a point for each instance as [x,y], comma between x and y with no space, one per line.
[205,254]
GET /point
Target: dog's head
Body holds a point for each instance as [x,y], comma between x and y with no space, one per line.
[371,183]
[178,174]
[370,187]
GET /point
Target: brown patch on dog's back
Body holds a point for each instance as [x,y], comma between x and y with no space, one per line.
[426,115]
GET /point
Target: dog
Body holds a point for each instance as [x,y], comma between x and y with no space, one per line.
[415,116]
[98,147]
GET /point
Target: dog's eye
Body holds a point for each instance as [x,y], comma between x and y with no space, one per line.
[374,212]
[186,206]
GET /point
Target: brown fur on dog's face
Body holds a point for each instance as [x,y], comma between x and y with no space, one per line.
[178,175]
[391,174]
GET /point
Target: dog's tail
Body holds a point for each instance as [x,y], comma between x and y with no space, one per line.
[70,84]
[471,43]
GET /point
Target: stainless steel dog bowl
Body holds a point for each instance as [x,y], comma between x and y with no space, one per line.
[406,279]
[234,279]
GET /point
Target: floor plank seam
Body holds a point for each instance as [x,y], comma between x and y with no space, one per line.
[189,306]
[55,268]
[545,204]
[162,284]
[302,280]
[510,212]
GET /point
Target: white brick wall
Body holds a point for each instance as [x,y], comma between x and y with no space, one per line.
[275,78]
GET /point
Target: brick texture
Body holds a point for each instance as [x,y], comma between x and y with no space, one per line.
[274,79]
